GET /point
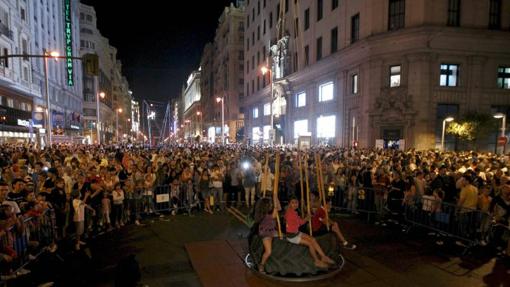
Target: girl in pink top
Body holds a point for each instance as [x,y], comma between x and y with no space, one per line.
[293,221]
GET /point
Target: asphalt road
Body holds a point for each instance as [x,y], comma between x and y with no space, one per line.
[385,256]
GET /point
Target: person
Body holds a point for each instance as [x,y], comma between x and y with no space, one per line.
[320,226]
[249,184]
[105,211]
[500,210]
[292,223]
[265,216]
[79,217]
[118,205]
[203,186]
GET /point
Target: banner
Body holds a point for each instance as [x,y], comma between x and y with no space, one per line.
[38,119]
[57,119]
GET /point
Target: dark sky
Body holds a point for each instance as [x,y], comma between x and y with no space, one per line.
[158,44]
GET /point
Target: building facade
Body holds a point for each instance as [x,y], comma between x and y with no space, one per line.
[110,87]
[222,79]
[191,125]
[30,28]
[357,72]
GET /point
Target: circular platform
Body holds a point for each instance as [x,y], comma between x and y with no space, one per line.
[332,272]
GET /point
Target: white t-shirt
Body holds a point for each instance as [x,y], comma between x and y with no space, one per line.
[79,210]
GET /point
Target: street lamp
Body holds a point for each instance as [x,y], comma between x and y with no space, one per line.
[264,70]
[199,113]
[118,111]
[101,95]
[46,55]
[222,100]
[448,119]
[503,123]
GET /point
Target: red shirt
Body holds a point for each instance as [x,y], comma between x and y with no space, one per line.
[318,219]
[293,221]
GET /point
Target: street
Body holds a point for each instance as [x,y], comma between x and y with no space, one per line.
[385,256]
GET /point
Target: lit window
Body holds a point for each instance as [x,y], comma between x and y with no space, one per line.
[449,75]
[504,77]
[255,134]
[266,130]
[301,99]
[354,83]
[326,92]
[255,113]
[395,76]
[267,109]
[300,128]
[326,127]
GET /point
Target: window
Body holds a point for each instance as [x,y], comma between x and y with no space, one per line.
[265,132]
[270,20]
[264,5]
[255,113]
[23,14]
[296,27]
[319,48]
[504,77]
[319,9]
[354,83]
[301,100]
[307,19]
[286,6]
[355,28]
[258,33]
[307,53]
[267,109]
[255,134]
[395,76]
[449,75]
[334,4]
[264,28]
[300,128]
[397,11]
[258,8]
[10,103]
[89,18]
[326,127]
[453,13]
[495,14]
[334,40]
[326,92]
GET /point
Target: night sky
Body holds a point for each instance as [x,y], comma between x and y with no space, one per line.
[158,46]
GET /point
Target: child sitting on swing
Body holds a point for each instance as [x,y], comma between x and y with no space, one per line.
[293,222]
[265,215]
[320,224]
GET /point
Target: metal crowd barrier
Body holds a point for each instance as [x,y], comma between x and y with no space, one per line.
[162,198]
[36,232]
[448,219]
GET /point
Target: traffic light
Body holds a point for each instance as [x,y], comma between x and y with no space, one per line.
[91,64]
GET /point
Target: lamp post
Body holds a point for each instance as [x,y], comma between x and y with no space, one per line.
[118,111]
[503,122]
[265,70]
[222,100]
[46,55]
[199,113]
[448,119]
[101,95]
[503,125]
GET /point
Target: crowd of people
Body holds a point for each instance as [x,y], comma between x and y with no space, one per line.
[93,189]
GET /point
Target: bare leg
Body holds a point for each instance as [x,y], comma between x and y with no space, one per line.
[267,242]
[336,230]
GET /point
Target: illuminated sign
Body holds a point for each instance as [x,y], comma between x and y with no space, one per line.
[23,123]
[68,33]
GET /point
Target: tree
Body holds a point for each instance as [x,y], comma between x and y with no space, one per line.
[473,128]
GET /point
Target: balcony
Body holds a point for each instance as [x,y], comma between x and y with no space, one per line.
[4,30]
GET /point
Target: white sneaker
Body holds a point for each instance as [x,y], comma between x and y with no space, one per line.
[22,271]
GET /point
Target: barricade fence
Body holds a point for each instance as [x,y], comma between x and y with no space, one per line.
[374,203]
[27,238]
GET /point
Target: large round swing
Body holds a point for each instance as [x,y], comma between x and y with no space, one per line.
[291,262]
